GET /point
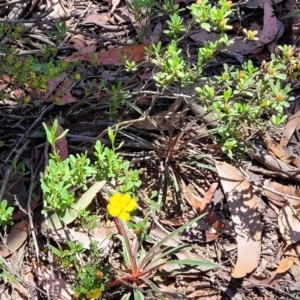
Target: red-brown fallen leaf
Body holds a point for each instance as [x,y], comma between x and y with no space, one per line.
[85,52]
[289,128]
[116,56]
[215,222]
[285,264]
[62,94]
[61,145]
[6,78]
[17,93]
[16,237]
[52,84]
[200,205]
[247,222]
[270,24]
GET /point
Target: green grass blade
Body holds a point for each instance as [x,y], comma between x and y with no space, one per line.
[138,295]
[165,253]
[191,262]
[154,288]
[126,296]
[151,254]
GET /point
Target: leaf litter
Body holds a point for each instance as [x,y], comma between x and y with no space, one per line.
[247,247]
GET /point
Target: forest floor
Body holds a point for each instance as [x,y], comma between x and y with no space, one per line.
[85,64]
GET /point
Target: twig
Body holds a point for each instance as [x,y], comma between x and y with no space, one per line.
[8,171]
[255,283]
[125,124]
[32,229]
[13,2]
[283,195]
[15,274]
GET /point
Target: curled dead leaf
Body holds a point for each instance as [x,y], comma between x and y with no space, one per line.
[285,264]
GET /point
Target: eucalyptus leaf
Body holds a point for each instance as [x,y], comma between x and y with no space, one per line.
[56,222]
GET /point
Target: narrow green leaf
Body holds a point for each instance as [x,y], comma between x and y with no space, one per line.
[138,295]
[154,288]
[126,296]
[151,254]
[291,14]
[165,253]
[132,259]
[62,135]
[192,263]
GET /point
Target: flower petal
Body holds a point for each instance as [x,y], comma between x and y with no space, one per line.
[125,199]
[115,199]
[131,205]
[124,216]
[113,210]
[94,294]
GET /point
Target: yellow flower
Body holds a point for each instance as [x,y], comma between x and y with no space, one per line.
[94,294]
[120,205]
[251,34]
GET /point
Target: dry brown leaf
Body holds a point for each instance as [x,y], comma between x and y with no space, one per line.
[259,3]
[247,221]
[177,221]
[270,28]
[97,19]
[285,264]
[78,42]
[293,250]
[289,225]
[163,119]
[260,279]
[114,4]
[156,33]
[276,149]
[62,289]
[275,198]
[16,237]
[84,52]
[288,222]
[290,128]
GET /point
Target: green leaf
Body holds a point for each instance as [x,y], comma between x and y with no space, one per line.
[280,76]
[156,248]
[192,263]
[205,26]
[126,296]
[138,295]
[55,251]
[291,14]
[55,222]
